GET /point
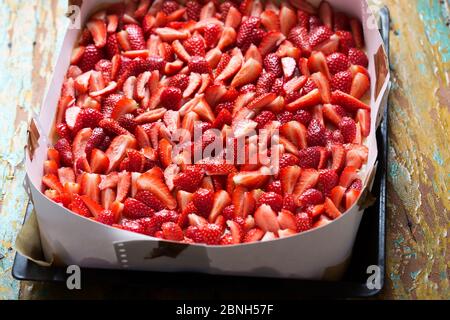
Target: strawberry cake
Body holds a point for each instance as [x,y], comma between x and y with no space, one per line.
[152,84]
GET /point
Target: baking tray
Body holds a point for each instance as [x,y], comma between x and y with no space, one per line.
[369,249]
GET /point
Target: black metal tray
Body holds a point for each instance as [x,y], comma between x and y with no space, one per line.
[369,249]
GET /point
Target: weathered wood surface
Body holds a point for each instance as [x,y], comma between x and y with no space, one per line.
[418,247]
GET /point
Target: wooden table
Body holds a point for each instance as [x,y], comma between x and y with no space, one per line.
[418,247]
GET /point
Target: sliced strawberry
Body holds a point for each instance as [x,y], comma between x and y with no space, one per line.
[311,99]
[233,66]
[99,161]
[94,207]
[252,179]
[331,209]
[90,186]
[108,196]
[357,32]
[52,182]
[308,179]
[363,118]
[360,85]
[153,181]
[348,176]
[286,220]
[220,201]
[169,34]
[50,166]
[123,106]
[326,14]
[248,73]
[337,194]
[270,41]
[79,143]
[266,219]
[288,19]
[116,151]
[253,235]
[317,62]
[323,85]
[347,101]
[270,20]
[350,198]
[194,82]
[296,133]
[98,31]
[227,38]
[338,157]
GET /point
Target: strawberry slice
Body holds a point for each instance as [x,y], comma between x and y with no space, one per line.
[296,133]
[270,20]
[123,106]
[214,93]
[180,51]
[170,35]
[165,152]
[363,118]
[337,194]
[338,157]
[153,181]
[52,182]
[331,209]
[195,81]
[79,143]
[289,177]
[308,179]
[108,196]
[233,19]
[236,232]
[317,62]
[309,100]
[252,179]
[221,200]
[150,116]
[204,111]
[323,84]
[266,219]
[253,235]
[94,207]
[248,73]
[90,186]
[50,166]
[348,176]
[270,41]
[350,198]
[231,69]
[117,149]
[289,66]
[77,54]
[98,31]
[347,101]
[286,220]
[326,14]
[360,85]
[332,113]
[123,185]
[261,101]
[357,32]
[288,19]
[99,161]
